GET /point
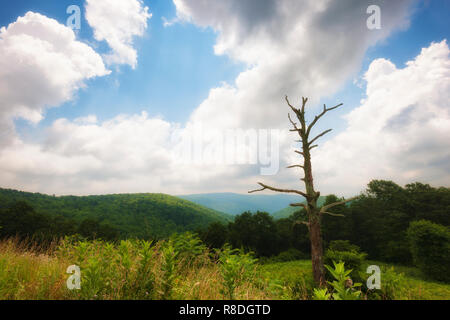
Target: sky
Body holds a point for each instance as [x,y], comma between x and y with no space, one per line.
[112,106]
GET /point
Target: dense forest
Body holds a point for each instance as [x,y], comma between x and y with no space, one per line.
[377,222]
[147,216]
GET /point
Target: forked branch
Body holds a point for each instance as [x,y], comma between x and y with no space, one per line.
[320,135]
[316,118]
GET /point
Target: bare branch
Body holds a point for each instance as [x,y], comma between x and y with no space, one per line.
[295,166]
[300,113]
[314,146]
[299,152]
[293,123]
[302,222]
[316,118]
[304,101]
[333,214]
[299,205]
[290,105]
[264,187]
[328,206]
[320,135]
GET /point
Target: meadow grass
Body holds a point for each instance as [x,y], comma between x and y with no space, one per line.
[142,270]
[412,286]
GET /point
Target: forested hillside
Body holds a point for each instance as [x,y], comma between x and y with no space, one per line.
[377,222]
[133,215]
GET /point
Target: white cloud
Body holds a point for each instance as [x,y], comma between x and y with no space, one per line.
[292,47]
[298,48]
[42,65]
[401,130]
[124,154]
[117,22]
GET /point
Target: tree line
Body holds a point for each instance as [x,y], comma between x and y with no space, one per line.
[20,220]
[377,221]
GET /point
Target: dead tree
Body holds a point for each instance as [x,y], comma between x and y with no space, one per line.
[314,213]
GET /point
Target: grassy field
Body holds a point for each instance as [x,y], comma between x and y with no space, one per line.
[173,270]
[412,285]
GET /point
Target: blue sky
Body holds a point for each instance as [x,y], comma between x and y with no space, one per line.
[177,68]
[177,65]
[429,23]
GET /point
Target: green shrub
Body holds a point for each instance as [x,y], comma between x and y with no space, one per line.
[144,282]
[343,251]
[291,254]
[343,245]
[302,287]
[235,267]
[393,285]
[343,287]
[168,268]
[430,248]
[187,246]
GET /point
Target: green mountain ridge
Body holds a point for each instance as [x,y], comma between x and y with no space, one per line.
[134,215]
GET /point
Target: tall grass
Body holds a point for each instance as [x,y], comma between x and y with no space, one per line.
[130,269]
[28,273]
[180,268]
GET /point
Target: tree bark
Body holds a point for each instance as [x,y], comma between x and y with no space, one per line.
[315,236]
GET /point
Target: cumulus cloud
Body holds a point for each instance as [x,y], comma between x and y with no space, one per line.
[401,130]
[297,48]
[42,65]
[291,47]
[125,154]
[117,22]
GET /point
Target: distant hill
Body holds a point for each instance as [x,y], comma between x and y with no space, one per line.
[288,211]
[234,203]
[139,215]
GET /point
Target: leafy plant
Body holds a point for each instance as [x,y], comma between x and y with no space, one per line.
[187,246]
[343,287]
[321,294]
[168,268]
[349,254]
[144,283]
[235,267]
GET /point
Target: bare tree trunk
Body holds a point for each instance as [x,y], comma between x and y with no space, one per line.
[314,213]
[314,217]
[315,236]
